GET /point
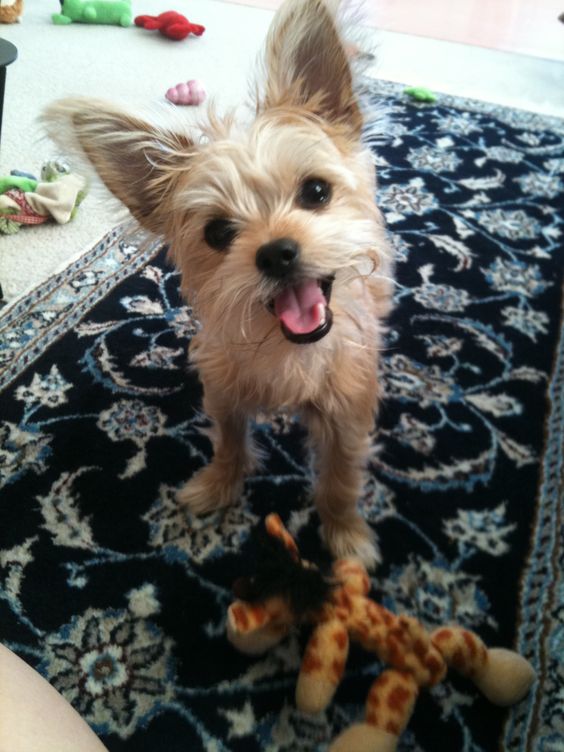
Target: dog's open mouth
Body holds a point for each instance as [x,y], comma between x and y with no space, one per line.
[303,310]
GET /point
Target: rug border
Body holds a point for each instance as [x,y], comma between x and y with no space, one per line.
[19,309]
[539,591]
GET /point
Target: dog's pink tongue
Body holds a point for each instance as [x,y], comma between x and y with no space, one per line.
[301,308]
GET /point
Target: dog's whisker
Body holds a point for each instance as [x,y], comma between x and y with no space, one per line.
[264,339]
[354,319]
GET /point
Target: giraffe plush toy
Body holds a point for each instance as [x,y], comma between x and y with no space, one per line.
[287,590]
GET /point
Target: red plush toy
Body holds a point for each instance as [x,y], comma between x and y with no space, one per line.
[172,24]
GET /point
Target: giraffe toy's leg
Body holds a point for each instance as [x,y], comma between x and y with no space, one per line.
[322,666]
[503,676]
[388,709]
[391,700]
[462,650]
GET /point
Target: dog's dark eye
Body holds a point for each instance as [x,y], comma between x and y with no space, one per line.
[220,233]
[313,193]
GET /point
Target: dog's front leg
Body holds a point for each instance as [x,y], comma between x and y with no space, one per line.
[220,483]
[341,444]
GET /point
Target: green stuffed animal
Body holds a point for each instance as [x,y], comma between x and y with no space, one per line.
[116,12]
[16,181]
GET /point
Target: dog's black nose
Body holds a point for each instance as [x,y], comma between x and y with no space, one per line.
[278,258]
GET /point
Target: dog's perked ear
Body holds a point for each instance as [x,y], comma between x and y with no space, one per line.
[138,161]
[307,64]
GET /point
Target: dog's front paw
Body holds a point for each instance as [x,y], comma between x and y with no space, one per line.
[209,490]
[351,538]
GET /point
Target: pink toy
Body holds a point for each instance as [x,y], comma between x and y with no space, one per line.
[192,92]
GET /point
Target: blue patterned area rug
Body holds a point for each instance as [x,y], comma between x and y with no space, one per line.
[120,600]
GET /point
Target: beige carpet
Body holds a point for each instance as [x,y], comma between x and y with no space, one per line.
[131,66]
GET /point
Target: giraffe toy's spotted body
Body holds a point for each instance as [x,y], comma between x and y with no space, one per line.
[415,658]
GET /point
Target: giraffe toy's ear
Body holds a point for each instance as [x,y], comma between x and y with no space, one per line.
[275,528]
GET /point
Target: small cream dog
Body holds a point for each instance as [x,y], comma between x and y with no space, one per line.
[282,253]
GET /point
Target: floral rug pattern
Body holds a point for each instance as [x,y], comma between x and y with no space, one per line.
[119,598]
